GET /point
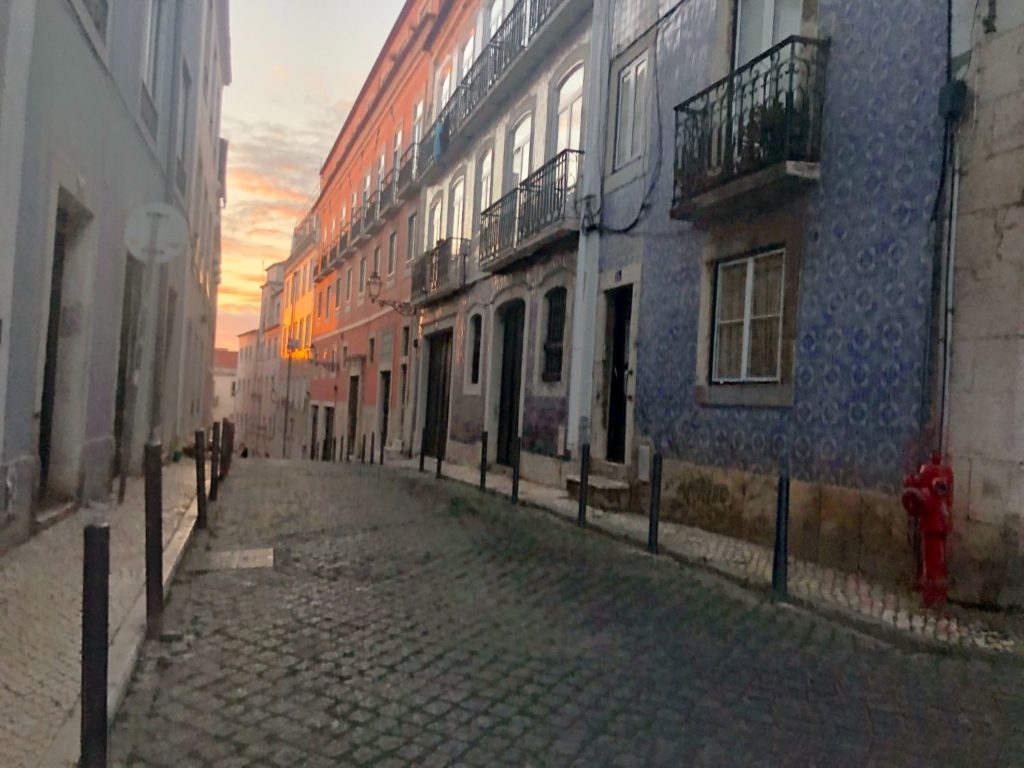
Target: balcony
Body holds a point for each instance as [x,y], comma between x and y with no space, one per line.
[753,134]
[342,245]
[540,211]
[441,271]
[388,197]
[537,26]
[408,181]
[371,215]
[357,232]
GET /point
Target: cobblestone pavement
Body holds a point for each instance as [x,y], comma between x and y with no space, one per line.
[40,612]
[412,622]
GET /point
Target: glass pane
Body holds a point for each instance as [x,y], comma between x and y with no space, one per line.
[625,117]
[729,350]
[732,290]
[639,109]
[764,348]
[787,19]
[767,298]
[750,36]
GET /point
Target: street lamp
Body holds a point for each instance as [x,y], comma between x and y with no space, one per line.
[293,346]
[373,286]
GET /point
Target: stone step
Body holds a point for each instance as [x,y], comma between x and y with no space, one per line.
[603,492]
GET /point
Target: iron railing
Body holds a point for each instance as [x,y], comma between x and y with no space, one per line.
[407,168]
[766,112]
[441,269]
[547,191]
[342,244]
[430,147]
[387,191]
[498,227]
[371,214]
[356,230]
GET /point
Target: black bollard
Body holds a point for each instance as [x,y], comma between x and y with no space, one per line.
[154,538]
[581,512]
[439,460]
[517,447]
[483,461]
[381,458]
[373,437]
[362,451]
[334,449]
[200,479]
[95,648]
[423,449]
[225,448]
[652,529]
[344,448]
[780,575]
[215,461]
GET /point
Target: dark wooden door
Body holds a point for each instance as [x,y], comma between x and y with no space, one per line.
[620,311]
[353,414]
[385,405]
[438,378]
[513,318]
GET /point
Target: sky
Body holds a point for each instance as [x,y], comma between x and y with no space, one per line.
[297,66]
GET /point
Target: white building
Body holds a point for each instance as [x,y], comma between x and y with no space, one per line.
[225,386]
[121,109]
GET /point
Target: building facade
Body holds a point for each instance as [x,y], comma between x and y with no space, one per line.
[143,82]
[225,384]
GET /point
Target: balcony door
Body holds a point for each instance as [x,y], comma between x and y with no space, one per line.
[457,214]
[522,140]
[569,129]
[760,24]
[434,230]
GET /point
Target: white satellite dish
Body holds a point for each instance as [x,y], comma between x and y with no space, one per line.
[156,232]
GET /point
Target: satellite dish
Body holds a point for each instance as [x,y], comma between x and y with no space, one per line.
[156,232]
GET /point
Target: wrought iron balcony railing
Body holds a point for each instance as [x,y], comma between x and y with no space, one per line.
[547,191]
[407,169]
[356,230]
[766,112]
[498,225]
[441,270]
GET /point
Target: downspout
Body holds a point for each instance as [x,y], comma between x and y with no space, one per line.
[581,379]
[947,320]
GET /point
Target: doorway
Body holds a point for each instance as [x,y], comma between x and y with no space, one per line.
[329,449]
[313,442]
[385,405]
[439,365]
[619,318]
[353,414]
[124,404]
[513,317]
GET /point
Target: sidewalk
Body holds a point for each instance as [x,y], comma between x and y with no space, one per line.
[850,598]
[40,618]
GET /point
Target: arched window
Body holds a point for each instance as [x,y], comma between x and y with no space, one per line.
[485,184]
[457,210]
[569,124]
[554,337]
[522,137]
[434,224]
[475,341]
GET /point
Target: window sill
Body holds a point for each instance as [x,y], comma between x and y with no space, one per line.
[745,395]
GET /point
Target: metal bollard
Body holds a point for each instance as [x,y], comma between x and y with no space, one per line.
[334,449]
[373,437]
[215,461]
[200,479]
[225,448]
[381,458]
[362,451]
[581,512]
[154,538]
[517,447]
[652,529]
[95,648]
[344,448]
[780,575]
[439,461]
[483,461]
[423,449]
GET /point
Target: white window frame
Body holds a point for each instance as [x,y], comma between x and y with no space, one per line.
[744,377]
[362,275]
[392,251]
[637,138]
[151,46]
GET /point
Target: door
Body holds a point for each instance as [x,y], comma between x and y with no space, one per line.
[620,315]
[328,451]
[313,438]
[385,405]
[439,365]
[512,320]
[48,404]
[124,408]
[353,414]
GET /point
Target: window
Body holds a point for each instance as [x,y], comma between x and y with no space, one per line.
[319,304]
[328,302]
[555,334]
[376,261]
[151,42]
[373,345]
[467,56]
[98,11]
[522,136]
[348,285]
[434,224]
[362,274]
[569,125]
[183,107]
[457,214]
[486,186]
[494,18]
[629,120]
[337,292]
[392,252]
[410,238]
[405,341]
[476,334]
[380,172]
[760,24]
[417,122]
[446,87]
[396,155]
[748,318]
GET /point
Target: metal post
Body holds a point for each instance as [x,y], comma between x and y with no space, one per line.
[362,451]
[780,574]
[95,629]
[373,437]
[437,450]
[200,479]
[154,538]
[381,458]
[231,444]
[287,402]
[344,448]
[581,513]
[652,530]
[225,451]
[517,447]
[334,449]
[214,461]
[483,461]
[423,449]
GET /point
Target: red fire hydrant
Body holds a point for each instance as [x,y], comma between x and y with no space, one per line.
[928,498]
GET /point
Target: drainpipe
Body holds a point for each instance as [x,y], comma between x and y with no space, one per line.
[581,379]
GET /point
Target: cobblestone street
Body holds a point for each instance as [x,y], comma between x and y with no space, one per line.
[411,622]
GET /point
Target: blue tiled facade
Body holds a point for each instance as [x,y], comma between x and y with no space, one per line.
[866,269]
